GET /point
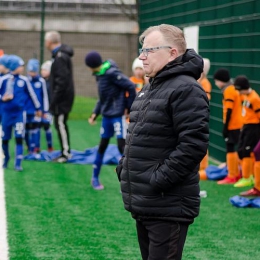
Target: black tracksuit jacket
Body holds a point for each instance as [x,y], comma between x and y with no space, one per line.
[61,81]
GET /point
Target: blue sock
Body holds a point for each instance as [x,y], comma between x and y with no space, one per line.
[18,155]
[26,138]
[38,138]
[32,139]
[97,165]
[6,153]
[49,137]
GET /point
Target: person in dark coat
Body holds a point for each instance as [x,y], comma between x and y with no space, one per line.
[167,138]
[61,89]
[112,105]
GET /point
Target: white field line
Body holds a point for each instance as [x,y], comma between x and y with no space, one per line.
[3,225]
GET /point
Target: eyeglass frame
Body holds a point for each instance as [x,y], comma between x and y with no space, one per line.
[145,51]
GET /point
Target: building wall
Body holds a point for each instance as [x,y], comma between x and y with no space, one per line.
[229,36]
[114,37]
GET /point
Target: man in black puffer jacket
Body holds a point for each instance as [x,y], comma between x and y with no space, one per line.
[61,89]
[167,138]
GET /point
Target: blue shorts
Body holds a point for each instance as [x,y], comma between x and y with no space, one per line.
[9,121]
[113,125]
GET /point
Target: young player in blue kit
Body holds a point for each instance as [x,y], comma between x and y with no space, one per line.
[3,65]
[15,90]
[3,71]
[112,86]
[33,122]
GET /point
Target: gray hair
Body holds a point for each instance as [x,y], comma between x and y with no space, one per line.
[53,36]
[171,34]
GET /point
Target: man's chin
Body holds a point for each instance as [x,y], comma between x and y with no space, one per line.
[147,73]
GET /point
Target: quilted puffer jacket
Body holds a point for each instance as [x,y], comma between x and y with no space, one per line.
[167,138]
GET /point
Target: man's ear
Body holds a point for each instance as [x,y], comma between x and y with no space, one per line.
[174,54]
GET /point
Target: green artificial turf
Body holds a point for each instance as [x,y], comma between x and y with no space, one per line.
[53,213]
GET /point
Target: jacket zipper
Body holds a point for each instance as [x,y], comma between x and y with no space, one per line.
[130,140]
[146,108]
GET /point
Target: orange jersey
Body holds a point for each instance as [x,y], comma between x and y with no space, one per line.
[231,100]
[251,108]
[206,86]
[139,83]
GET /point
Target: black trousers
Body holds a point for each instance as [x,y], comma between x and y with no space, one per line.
[232,140]
[61,126]
[161,240]
[249,138]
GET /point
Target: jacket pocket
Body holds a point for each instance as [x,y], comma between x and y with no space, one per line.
[157,167]
[153,177]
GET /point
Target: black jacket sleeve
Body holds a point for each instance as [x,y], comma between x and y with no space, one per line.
[97,108]
[225,127]
[60,78]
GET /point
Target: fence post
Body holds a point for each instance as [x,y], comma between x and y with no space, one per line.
[42,31]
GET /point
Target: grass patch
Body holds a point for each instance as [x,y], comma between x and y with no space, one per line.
[82,108]
[53,213]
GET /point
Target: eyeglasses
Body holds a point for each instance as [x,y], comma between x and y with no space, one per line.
[146,51]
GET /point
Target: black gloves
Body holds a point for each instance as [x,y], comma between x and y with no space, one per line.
[225,131]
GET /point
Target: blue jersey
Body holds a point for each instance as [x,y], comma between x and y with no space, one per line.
[21,89]
[1,75]
[39,87]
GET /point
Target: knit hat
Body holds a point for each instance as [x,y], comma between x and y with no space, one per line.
[14,62]
[241,83]
[206,66]
[33,65]
[93,59]
[4,60]
[46,65]
[137,64]
[222,75]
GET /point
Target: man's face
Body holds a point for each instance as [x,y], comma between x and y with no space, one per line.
[156,59]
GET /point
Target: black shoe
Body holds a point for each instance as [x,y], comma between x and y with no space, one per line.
[61,159]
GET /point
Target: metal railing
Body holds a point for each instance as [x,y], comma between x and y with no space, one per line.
[69,6]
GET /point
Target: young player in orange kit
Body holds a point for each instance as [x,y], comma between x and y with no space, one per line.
[250,133]
[232,120]
[206,85]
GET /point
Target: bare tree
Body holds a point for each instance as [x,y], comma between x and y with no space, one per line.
[131,11]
